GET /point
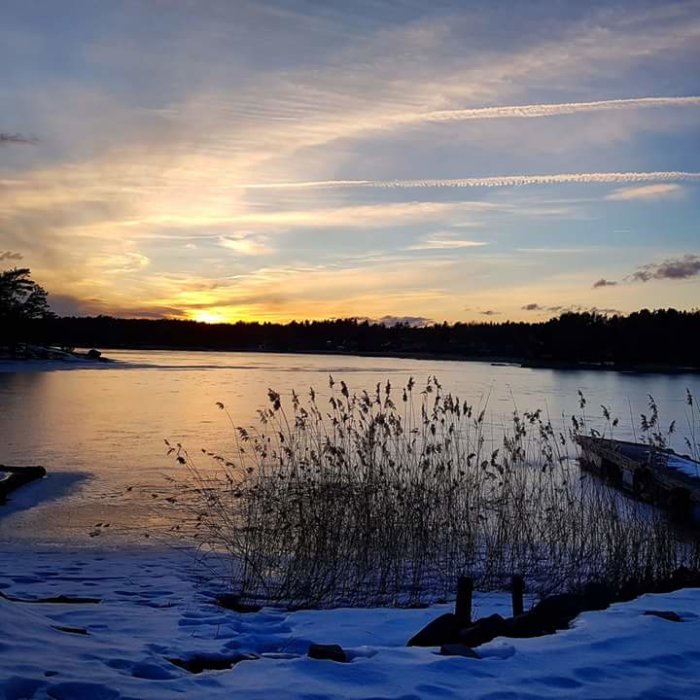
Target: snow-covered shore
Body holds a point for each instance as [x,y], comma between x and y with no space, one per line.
[153,608]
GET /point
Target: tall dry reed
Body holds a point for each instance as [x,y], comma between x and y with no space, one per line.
[386,497]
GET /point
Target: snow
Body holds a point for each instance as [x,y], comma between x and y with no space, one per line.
[155,607]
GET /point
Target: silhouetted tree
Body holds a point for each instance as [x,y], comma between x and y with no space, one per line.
[21,300]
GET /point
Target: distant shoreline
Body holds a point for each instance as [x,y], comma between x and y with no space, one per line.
[81,359]
[658,341]
[496,360]
[39,353]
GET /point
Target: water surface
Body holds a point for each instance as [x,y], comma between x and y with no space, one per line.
[99,429]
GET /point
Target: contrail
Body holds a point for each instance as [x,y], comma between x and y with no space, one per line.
[522,180]
[547,110]
[498,181]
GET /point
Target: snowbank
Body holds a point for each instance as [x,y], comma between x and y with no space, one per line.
[152,609]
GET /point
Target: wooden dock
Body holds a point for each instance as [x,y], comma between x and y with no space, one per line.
[656,475]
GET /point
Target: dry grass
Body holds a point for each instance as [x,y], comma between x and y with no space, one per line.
[387,497]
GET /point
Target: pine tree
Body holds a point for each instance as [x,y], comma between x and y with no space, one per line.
[21,299]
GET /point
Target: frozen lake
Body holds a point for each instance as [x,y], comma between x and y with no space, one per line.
[99,429]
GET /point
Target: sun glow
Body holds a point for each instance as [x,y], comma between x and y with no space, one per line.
[204,316]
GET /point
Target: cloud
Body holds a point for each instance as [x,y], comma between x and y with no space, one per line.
[17,138]
[156,172]
[351,216]
[681,268]
[602,282]
[578,309]
[410,73]
[490,312]
[658,191]
[532,307]
[10,255]
[244,244]
[122,263]
[498,181]
[445,241]
[413,321]
[553,251]
[68,305]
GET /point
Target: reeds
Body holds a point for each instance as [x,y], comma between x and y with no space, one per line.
[386,497]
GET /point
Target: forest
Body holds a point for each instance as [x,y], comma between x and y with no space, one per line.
[665,338]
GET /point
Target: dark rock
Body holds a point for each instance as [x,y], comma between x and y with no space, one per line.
[598,596]
[527,625]
[93,354]
[441,630]
[58,599]
[71,630]
[665,615]
[630,590]
[331,652]
[559,610]
[458,650]
[12,478]
[483,631]
[198,663]
[233,602]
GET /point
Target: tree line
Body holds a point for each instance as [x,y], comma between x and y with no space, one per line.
[664,337]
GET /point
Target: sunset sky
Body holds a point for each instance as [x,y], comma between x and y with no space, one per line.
[225,160]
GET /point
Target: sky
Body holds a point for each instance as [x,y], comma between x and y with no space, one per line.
[224,160]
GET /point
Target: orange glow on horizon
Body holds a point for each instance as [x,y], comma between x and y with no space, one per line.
[205,316]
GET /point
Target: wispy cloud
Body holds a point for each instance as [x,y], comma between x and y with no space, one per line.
[644,192]
[332,104]
[446,241]
[554,250]
[352,216]
[328,124]
[244,244]
[122,263]
[10,255]
[533,307]
[602,282]
[6,138]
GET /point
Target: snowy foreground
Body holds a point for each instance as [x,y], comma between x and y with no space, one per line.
[153,610]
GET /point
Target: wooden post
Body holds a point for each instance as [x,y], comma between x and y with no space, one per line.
[517,590]
[463,604]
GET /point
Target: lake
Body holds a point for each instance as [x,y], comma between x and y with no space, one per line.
[100,429]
